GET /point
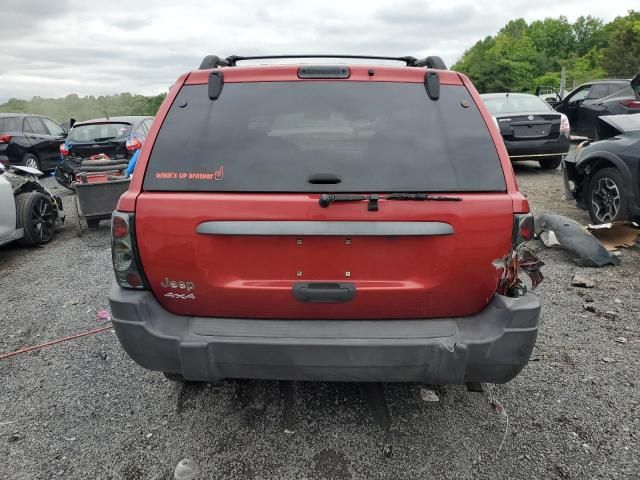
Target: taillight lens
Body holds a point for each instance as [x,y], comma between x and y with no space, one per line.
[631,104]
[64,150]
[564,124]
[5,138]
[523,228]
[126,264]
[134,144]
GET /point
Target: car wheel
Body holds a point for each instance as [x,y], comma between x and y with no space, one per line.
[36,215]
[605,196]
[550,163]
[30,160]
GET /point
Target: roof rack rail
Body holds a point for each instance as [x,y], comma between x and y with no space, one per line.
[214,61]
[233,59]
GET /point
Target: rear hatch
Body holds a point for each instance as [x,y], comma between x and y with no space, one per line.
[534,126]
[88,139]
[229,222]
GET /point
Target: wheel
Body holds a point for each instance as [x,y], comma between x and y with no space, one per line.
[605,197]
[30,160]
[550,163]
[36,215]
[93,223]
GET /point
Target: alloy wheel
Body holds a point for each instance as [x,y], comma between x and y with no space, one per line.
[605,199]
[43,219]
[31,162]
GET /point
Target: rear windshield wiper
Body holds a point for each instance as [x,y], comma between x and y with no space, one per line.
[327,199]
[102,139]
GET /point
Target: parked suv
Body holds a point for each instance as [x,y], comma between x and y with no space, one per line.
[30,140]
[322,222]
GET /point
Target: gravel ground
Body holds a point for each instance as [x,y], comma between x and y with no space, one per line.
[83,409]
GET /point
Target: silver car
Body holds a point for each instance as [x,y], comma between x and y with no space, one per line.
[29,213]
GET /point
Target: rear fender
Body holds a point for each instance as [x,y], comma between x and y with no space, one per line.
[597,160]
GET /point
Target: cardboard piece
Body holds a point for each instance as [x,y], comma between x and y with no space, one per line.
[616,235]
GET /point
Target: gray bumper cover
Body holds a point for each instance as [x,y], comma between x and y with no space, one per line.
[491,346]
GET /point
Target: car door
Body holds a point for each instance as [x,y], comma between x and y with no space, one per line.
[40,139]
[570,106]
[56,138]
[591,108]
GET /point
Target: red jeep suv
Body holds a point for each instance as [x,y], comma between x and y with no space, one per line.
[322,221]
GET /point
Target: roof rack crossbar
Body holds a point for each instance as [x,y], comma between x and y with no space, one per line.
[233,59]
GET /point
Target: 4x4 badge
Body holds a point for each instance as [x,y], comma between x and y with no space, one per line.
[181,296]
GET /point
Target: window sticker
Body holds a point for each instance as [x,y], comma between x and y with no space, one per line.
[217,175]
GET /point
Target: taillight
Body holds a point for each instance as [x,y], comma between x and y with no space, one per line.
[564,124]
[523,228]
[631,104]
[5,138]
[64,150]
[134,144]
[124,255]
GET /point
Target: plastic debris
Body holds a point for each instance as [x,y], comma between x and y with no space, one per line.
[622,340]
[186,469]
[103,315]
[586,249]
[428,395]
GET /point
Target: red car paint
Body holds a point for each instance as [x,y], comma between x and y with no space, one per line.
[252,277]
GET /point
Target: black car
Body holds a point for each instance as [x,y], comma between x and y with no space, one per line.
[587,102]
[114,140]
[530,128]
[30,140]
[604,176]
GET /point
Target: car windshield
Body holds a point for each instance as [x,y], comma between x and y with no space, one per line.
[280,136]
[99,132]
[514,104]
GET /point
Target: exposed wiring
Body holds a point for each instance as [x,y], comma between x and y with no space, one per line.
[53,342]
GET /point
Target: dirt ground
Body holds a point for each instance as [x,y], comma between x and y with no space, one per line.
[82,409]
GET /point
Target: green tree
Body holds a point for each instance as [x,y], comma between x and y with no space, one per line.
[621,57]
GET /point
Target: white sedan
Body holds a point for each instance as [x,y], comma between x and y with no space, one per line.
[29,213]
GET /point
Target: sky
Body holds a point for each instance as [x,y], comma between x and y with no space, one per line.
[54,48]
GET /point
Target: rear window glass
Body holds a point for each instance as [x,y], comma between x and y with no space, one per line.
[99,132]
[372,137]
[515,104]
[11,124]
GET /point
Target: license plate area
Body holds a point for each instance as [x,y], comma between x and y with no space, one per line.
[531,131]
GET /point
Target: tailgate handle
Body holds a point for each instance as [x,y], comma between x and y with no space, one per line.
[321,292]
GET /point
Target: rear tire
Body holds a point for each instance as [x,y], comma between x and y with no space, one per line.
[605,197]
[30,160]
[36,215]
[550,163]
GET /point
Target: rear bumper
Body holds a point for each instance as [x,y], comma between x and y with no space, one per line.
[492,346]
[538,149]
